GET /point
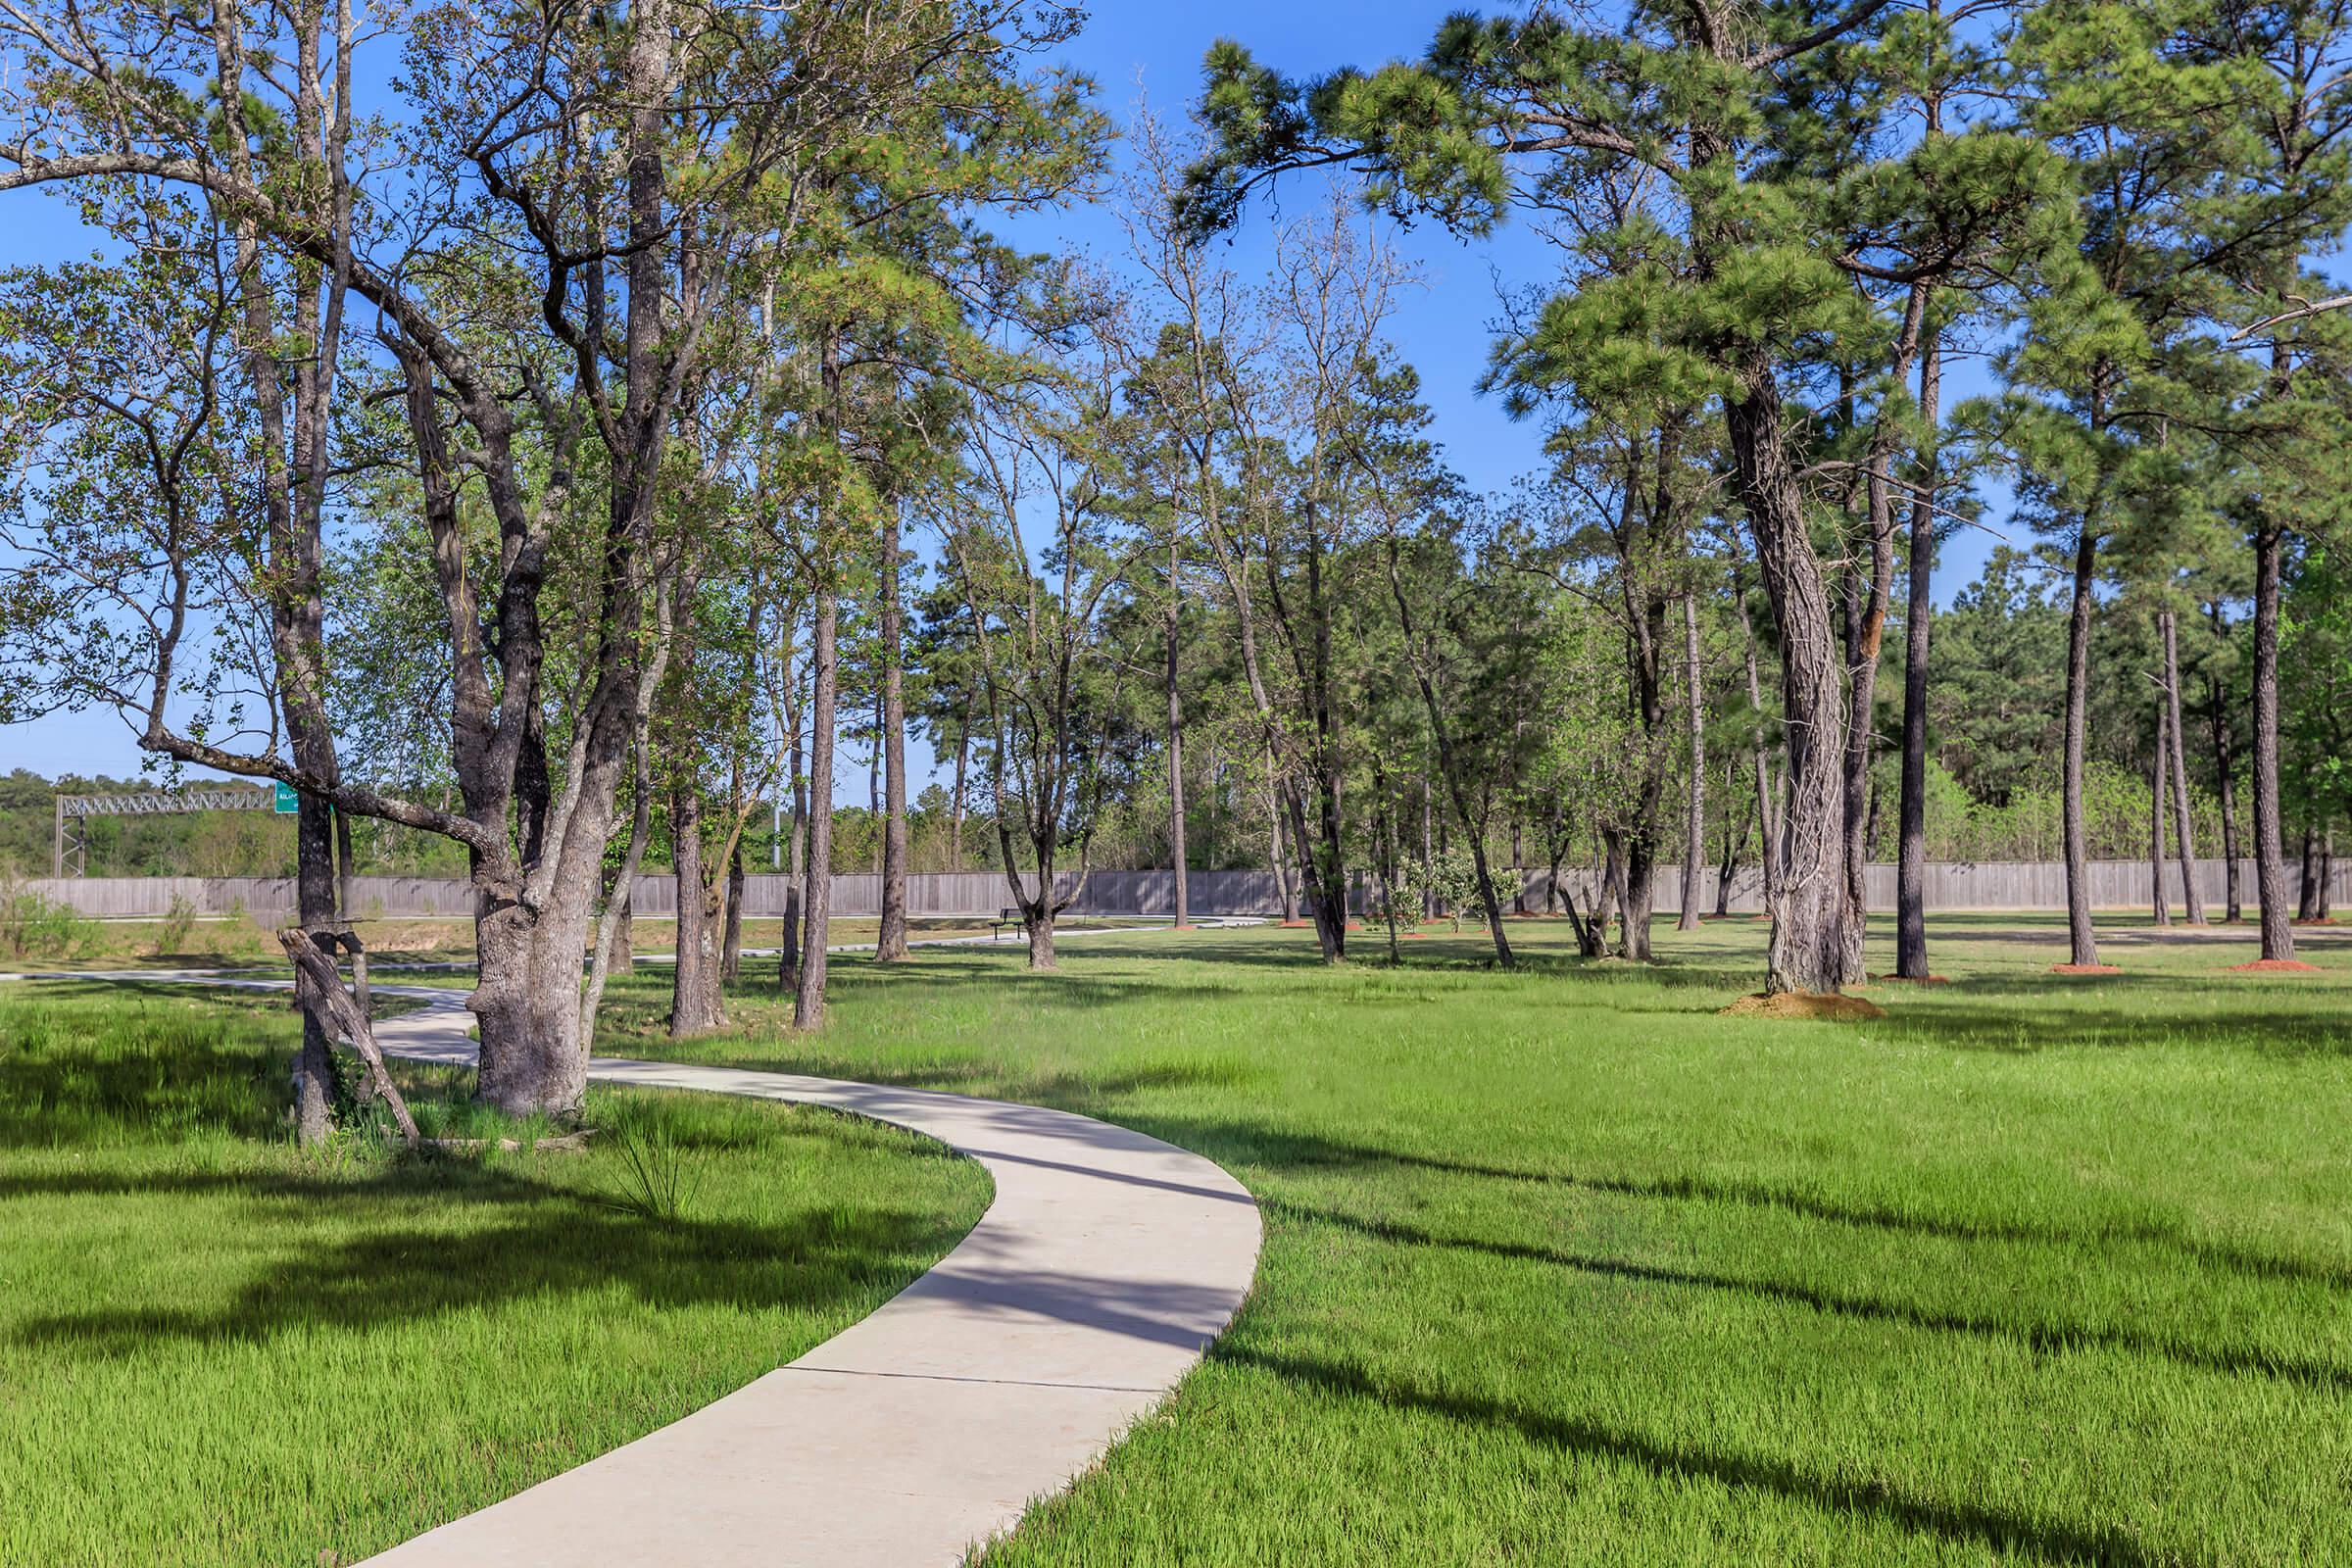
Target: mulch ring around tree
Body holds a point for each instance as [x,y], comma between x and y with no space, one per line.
[1804,1005]
[2273,966]
[1911,980]
[2085,968]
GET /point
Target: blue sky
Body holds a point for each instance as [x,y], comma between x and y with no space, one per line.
[1443,329]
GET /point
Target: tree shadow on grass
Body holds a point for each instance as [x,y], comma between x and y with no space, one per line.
[491,1238]
[2043,1541]
[1308,1153]
[2024,1029]
[2042,1337]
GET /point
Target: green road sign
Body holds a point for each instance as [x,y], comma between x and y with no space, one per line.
[286,799]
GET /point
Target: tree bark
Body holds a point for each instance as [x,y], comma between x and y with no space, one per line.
[2160,899]
[1809,935]
[1768,827]
[694,1003]
[1919,616]
[817,896]
[2226,772]
[694,999]
[2083,939]
[2307,875]
[731,946]
[890,945]
[2185,830]
[2269,863]
[1178,859]
[1695,847]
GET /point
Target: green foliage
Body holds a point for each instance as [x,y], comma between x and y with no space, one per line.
[32,922]
[314,1354]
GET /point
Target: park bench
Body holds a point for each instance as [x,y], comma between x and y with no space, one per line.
[1007,917]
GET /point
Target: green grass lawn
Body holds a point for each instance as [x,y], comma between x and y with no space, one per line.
[1561,1267]
[217,1348]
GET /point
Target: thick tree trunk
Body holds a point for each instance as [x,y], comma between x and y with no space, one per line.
[1178,859]
[528,1005]
[890,945]
[1809,933]
[817,896]
[1695,826]
[2185,830]
[2269,863]
[2082,938]
[1041,939]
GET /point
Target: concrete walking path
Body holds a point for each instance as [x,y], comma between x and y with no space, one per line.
[1104,1268]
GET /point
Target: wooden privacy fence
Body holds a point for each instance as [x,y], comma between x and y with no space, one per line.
[1951,885]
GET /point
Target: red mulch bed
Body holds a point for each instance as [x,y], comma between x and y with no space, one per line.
[2328,919]
[2275,966]
[2085,968]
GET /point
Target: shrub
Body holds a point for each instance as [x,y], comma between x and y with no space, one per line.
[179,923]
[31,921]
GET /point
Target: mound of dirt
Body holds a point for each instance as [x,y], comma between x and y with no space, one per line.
[2275,966]
[2085,968]
[1804,1005]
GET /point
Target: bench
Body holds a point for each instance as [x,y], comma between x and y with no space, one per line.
[1007,917]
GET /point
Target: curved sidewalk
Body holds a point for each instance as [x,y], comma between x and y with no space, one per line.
[1103,1267]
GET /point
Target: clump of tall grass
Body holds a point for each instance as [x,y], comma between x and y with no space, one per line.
[652,1176]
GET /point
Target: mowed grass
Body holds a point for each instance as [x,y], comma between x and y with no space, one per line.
[1561,1267]
[230,943]
[217,1348]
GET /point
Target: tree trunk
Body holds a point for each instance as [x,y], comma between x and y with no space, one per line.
[2160,901]
[2323,908]
[1808,946]
[1285,893]
[964,755]
[788,947]
[890,944]
[1768,828]
[2307,876]
[2184,831]
[2226,770]
[1695,829]
[694,1002]
[1919,616]
[730,947]
[1177,856]
[1040,938]
[2269,863]
[2084,939]
[817,896]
